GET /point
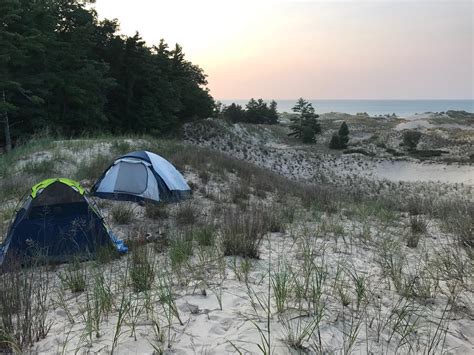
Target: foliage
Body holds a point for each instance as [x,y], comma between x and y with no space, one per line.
[234,113]
[340,140]
[64,69]
[411,139]
[304,126]
[256,111]
[335,142]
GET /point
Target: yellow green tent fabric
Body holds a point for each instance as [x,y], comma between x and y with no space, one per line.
[46,226]
[45,183]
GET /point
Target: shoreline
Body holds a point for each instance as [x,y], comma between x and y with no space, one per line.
[375,108]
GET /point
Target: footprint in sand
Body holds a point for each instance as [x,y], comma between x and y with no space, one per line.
[222,326]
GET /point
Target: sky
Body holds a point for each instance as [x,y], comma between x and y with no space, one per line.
[327,49]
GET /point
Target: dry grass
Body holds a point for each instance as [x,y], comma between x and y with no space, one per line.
[122,214]
[186,214]
[303,282]
[242,233]
[92,168]
[156,211]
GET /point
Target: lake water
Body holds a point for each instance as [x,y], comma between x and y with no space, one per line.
[402,108]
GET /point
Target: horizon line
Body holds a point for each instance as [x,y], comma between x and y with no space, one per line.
[335,99]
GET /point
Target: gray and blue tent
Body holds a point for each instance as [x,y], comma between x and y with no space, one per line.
[56,222]
[142,176]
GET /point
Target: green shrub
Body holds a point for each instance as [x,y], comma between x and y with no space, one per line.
[308,135]
[335,142]
[411,139]
[340,139]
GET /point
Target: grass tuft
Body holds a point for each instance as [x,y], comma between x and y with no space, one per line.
[142,269]
[122,214]
[156,211]
[186,214]
[205,235]
[92,168]
[74,277]
[243,232]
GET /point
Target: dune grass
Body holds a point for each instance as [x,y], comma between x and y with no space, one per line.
[291,256]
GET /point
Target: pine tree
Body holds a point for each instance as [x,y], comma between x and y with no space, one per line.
[344,134]
[234,113]
[62,68]
[340,139]
[9,13]
[335,142]
[20,45]
[272,113]
[304,126]
[259,112]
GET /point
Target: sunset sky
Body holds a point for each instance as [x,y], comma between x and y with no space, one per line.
[351,49]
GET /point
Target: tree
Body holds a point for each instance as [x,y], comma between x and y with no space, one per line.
[9,13]
[272,113]
[234,113]
[308,135]
[344,133]
[218,109]
[21,47]
[335,142]
[304,126]
[411,139]
[341,139]
[256,112]
[62,68]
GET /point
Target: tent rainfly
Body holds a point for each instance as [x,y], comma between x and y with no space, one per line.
[56,222]
[142,176]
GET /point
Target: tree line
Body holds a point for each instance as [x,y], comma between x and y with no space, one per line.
[63,70]
[255,111]
[304,124]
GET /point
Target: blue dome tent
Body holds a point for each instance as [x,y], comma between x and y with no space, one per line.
[142,176]
[56,222]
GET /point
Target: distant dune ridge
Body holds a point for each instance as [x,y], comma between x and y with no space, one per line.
[401,108]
